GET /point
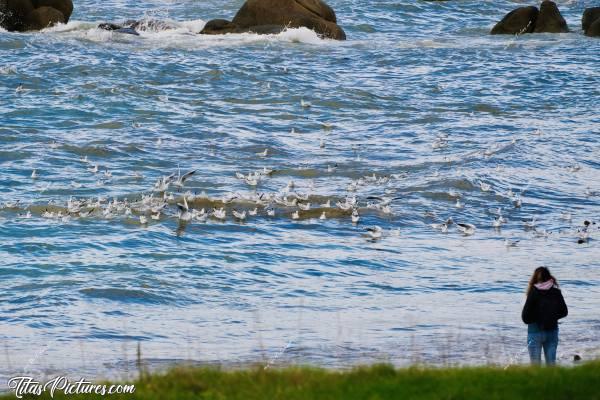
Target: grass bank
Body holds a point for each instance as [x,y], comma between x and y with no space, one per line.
[375,382]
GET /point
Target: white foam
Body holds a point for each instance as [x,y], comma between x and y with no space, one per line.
[184,34]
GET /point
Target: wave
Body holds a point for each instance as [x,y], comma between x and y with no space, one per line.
[181,34]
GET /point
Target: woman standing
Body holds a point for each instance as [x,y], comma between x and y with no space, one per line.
[545,305]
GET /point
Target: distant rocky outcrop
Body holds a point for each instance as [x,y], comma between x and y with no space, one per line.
[133,26]
[273,16]
[29,15]
[590,22]
[518,21]
[532,20]
[550,19]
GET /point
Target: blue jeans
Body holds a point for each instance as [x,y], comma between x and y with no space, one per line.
[537,340]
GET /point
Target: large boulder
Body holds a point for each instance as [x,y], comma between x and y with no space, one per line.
[64,6]
[518,21]
[594,29]
[273,16]
[550,19]
[589,18]
[43,17]
[13,14]
[25,15]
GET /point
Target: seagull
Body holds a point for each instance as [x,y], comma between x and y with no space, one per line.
[143,220]
[439,143]
[574,168]
[19,88]
[295,215]
[220,213]
[267,171]
[239,175]
[184,209]
[34,174]
[323,216]
[355,216]
[270,212]
[304,207]
[303,197]
[202,217]
[375,232]
[264,153]
[466,229]
[530,224]
[239,215]
[517,202]
[326,204]
[344,206]
[497,223]
[459,204]
[304,104]
[332,168]
[84,159]
[159,141]
[583,235]
[511,243]
[443,227]
[252,213]
[251,181]
[484,186]
[163,183]
[94,169]
[182,178]
[155,217]
[107,174]
[47,214]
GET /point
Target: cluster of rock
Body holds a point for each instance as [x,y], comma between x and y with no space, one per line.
[546,19]
[274,16]
[258,16]
[29,15]
[590,22]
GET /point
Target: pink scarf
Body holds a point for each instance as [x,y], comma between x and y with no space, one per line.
[545,285]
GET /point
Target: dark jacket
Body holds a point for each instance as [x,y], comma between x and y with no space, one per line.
[544,308]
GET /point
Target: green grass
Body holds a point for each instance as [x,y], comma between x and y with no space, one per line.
[375,382]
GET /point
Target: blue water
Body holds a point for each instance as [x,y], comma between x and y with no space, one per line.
[419,96]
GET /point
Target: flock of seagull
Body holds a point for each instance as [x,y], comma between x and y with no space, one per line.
[154,206]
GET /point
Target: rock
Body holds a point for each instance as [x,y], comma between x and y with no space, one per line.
[273,16]
[23,15]
[594,29]
[43,17]
[518,21]
[133,27]
[590,15]
[13,13]
[219,27]
[550,20]
[64,6]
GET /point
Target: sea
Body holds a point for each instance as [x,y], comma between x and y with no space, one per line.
[468,160]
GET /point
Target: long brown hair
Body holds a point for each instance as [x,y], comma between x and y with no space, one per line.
[541,274]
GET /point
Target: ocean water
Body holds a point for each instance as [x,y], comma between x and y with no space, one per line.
[419,108]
